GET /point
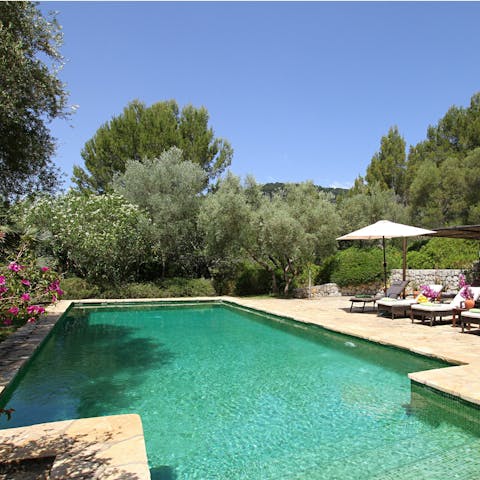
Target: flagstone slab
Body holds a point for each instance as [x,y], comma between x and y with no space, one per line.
[106,447]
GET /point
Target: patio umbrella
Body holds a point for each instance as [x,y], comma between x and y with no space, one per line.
[385,229]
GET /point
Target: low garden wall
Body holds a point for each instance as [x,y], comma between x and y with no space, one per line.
[317,291]
[447,278]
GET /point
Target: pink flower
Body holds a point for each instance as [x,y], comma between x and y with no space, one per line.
[54,298]
[3,290]
[31,320]
[13,310]
[33,309]
[7,321]
[15,267]
[25,297]
[2,280]
[26,282]
[55,287]
[45,269]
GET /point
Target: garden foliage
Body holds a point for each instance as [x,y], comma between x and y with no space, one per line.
[31,95]
[24,289]
[142,132]
[444,253]
[102,238]
[357,266]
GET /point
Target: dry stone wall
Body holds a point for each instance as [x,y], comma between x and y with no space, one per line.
[317,291]
[447,278]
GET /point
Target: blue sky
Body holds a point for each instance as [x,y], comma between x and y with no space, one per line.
[303,91]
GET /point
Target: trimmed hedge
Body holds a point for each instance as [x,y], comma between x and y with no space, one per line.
[77,288]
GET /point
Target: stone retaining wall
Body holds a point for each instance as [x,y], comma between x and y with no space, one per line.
[447,278]
[317,291]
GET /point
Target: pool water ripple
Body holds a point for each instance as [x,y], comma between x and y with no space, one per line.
[227,394]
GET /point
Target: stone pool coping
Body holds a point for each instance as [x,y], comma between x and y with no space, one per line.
[116,443]
[103,447]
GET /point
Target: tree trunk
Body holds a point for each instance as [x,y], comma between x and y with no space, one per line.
[288,278]
[274,283]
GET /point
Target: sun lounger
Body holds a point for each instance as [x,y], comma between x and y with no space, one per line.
[470,316]
[393,291]
[401,306]
[432,311]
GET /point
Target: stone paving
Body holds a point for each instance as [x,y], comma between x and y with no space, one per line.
[103,447]
[113,447]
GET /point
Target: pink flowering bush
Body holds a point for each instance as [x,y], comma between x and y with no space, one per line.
[428,292]
[25,288]
[465,289]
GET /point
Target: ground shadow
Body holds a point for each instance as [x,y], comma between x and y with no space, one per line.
[84,371]
[61,456]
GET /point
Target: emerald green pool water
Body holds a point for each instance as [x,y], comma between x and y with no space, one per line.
[229,394]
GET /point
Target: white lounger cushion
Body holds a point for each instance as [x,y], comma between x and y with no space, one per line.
[445,307]
[406,301]
[471,314]
[397,303]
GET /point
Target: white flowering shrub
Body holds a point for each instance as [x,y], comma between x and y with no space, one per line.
[100,237]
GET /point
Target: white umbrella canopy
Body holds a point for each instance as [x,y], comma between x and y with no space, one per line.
[385,229]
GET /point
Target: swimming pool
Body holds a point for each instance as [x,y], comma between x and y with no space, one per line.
[226,393]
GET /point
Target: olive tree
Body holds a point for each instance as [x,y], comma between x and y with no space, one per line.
[282,232]
[368,205]
[31,95]
[169,190]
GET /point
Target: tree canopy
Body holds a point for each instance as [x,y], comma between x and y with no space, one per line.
[387,167]
[442,179]
[142,132]
[31,95]
[102,238]
[281,233]
[168,189]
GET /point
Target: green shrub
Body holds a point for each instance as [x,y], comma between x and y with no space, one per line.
[326,270]
[171,287]
[448,253]
[77,288]
[419,260]
[100,237]
[187,287]
[310,272]
[133,290]
[252,280]
[355,266]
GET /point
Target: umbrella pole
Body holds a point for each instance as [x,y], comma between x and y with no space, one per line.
[384,267]
[404,273]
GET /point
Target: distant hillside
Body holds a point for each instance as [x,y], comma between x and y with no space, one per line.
[279,187]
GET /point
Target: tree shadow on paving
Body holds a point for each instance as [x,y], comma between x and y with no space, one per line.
[59,457]
[91,370]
